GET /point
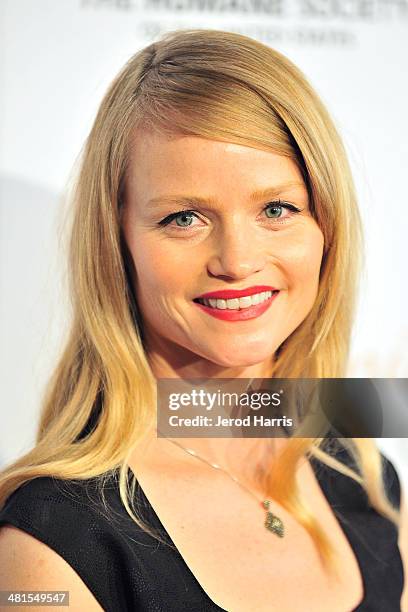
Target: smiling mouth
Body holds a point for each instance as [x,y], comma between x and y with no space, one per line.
[236,303]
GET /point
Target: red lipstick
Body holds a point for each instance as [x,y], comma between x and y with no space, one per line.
[241,314]
[229,294]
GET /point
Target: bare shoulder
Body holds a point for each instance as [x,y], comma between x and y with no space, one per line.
[27,564]
[403,545]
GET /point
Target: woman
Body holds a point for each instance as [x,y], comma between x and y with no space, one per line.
[211,167]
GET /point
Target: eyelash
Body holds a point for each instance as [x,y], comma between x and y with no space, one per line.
[278,203]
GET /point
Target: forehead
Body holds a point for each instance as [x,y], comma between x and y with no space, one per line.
[170,163]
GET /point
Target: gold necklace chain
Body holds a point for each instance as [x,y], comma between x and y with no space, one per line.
[272,522]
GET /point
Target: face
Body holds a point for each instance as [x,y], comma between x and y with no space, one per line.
[249,227]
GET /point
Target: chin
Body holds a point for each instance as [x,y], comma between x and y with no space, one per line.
[240,359]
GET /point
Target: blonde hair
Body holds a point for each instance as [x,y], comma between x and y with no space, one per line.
[222,86]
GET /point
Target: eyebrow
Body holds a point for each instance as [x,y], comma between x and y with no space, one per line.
[260,194]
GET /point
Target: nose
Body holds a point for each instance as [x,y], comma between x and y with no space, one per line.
[237,254]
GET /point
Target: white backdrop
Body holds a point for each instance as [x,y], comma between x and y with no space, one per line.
[57,59]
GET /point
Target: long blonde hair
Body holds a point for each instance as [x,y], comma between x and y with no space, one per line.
[222,86]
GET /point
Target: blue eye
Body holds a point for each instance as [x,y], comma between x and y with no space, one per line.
[186,215]
[276,209]
[182,214]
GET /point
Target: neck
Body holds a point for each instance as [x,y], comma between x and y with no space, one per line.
[244,458]
[241,457]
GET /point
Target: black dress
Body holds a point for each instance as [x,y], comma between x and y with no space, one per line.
[128,570]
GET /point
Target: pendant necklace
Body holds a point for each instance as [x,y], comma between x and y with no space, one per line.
[272,522]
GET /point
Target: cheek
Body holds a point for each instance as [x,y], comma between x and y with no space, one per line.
[301,263]
[157,274]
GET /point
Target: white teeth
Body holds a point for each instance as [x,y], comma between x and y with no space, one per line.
[245,301]
[237,303]
[233,304]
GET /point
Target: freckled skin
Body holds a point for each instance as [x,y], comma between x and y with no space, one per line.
[231,245]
